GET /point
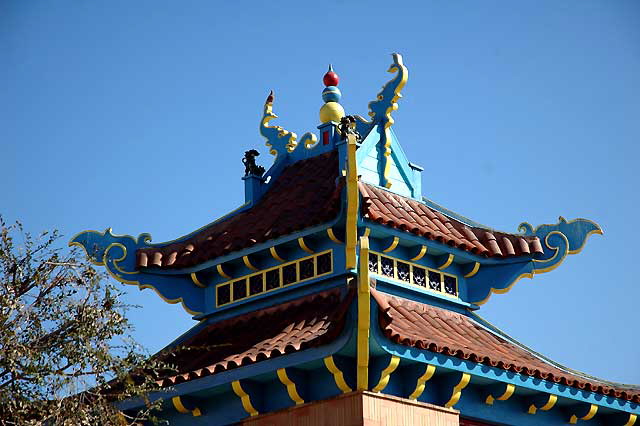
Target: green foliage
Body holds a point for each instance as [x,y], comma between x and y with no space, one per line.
[66,352]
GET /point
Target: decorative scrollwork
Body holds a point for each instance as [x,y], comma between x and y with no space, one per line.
[279,140]
[557,241]
[380,110]
[117,253]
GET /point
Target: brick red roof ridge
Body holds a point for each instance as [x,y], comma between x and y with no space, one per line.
[450,333]
[387,208]
[305,194]
[310,321]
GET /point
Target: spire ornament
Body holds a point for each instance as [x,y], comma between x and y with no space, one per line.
[331,110]
[380,111]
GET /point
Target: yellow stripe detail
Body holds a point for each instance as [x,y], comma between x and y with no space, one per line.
[393,245]
[506,395]
[632,420]
[332,236]
[546,407]
[244,398]
[446,264]
[353,199]
[386,374]
[221,271]
[367,232]
[303,245]
[275,254]
[476,268]
[420,255]
[179,406]
[364,295]
[196,281]
[337,374]
[457,390]
[291,387]
[591,414]
[420,384]
[248,264]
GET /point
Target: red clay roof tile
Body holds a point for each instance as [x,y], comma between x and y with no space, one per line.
[311,321]
[438,330]
[306,194]
[388,208]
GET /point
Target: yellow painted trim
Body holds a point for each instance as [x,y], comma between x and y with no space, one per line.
[332,236]
[280,267]
[364,316]
[196,281]
[447,263]
[457,390]
[291,387]
[367,232]
[510,388]
[504,290]
[393,245]
[632,420]
[222,272]
[337,374]
[591,414]
[244,398]
[385,375]
[179,406]
[353,201]
[421,253]
[303,245]
[546,407]
[420,384]
[476,268]
[595,231]
[387,156]
[248,264]
[275,254]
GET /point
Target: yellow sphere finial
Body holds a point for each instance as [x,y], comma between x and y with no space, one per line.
[331,110]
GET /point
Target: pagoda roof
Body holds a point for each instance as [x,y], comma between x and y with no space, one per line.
[289,327]
[450,333]
[387,208]
[305,194]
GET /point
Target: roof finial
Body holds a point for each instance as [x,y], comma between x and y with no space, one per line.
[331,110]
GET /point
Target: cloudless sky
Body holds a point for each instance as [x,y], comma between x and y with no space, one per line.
[135,115]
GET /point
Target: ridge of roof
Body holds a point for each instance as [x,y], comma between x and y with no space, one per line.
[456,216]
[428,327]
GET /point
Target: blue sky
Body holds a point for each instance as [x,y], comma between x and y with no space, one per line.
[135,115]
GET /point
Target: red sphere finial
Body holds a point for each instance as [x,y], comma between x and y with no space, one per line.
[331,78]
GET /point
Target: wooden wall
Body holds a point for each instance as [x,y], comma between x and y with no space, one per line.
[360,408]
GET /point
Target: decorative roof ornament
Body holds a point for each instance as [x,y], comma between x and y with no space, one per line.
[380,110]
[279,140]
[250,166]
[331,110]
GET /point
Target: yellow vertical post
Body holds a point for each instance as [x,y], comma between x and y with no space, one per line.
[353,199]
[364,316]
